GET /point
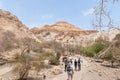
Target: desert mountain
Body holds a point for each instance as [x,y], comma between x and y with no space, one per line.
[61,32]
[61,26]
[12,32]
[15,37]
[9,22]
[65,32]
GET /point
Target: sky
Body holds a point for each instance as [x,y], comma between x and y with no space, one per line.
[36,13]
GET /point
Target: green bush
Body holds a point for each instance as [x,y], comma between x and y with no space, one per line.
[48,33]
[87,52]
[97,47]
[58,55]
[92,50]
[54,61]
[84,50]
[117,37]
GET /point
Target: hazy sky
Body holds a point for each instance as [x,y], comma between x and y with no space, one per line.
[36,13]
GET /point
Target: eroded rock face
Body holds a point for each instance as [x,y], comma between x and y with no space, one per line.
[9,20]
[65,32]
[65,26]
[12,31]
[62,32]
[60,27]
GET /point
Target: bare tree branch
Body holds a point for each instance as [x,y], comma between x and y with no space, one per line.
[102,16]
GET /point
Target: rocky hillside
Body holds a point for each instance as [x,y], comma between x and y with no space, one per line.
[61,32]
[57,27]
[9,22]
[65,32]
[12,32]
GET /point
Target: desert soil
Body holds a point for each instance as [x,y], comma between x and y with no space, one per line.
[92,71]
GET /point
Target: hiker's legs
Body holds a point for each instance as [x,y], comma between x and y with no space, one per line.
[79,67]
[65,67]
[71,76]
[75,68]
[44,77]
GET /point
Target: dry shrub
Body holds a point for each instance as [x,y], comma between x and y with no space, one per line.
[56,46]
[32,44]
[8,41]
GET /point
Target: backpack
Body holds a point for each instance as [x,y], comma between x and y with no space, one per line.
[65,62]
[69,68]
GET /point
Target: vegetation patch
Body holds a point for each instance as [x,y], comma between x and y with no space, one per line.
[92,50]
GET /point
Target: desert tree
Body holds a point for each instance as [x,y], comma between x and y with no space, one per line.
[112,52]
[21,62]
[25,61]
[102,16]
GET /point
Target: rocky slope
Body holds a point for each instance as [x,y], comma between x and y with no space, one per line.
[57,27]
[9,22]
[61,32]
[65,32]
[12,32]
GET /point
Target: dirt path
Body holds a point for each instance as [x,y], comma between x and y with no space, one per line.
[5,69]
[92,71]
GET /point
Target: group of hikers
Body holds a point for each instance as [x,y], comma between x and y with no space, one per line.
[71,65]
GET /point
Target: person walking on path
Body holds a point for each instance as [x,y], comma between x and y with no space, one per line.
[79,64]
[71,61]
[70,71]
[66,63]
[75,64]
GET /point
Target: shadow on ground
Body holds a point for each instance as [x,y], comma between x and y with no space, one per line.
[31,78]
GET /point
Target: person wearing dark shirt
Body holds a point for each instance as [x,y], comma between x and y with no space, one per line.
[66,63]
[75,64]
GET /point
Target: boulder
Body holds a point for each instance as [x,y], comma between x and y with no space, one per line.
[57,71]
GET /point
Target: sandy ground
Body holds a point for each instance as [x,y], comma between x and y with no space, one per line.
[5,69]
[89,71]
[6,72]
[92,71]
